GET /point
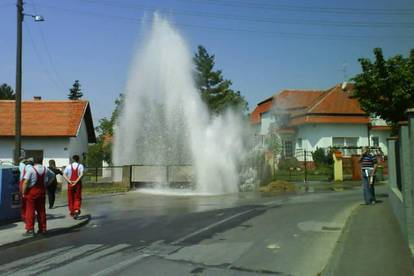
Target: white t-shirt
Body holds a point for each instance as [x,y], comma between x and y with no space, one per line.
[21,169]
[32,176]
[68,169]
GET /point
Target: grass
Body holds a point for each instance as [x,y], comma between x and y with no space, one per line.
[90,188]
[296,176]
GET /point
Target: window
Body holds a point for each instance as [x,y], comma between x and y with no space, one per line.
[288,149]
[375,141]
[341,142]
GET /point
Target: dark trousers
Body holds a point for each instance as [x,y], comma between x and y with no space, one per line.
[368,189]
[51,194]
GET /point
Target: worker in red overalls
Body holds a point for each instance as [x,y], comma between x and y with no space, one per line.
[34,184]
[73,174]
[23,164]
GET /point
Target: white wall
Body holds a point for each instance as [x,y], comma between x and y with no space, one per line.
[79,144]
[382,135]
[56,148]
[320,135]
[266,119]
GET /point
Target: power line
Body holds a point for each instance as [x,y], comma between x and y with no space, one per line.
[52,80]
[48,55]
[250,31]
[233,17]
[308,9]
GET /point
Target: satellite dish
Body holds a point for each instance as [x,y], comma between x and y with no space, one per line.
[343,86]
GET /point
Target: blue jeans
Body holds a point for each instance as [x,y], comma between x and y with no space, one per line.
[369,190]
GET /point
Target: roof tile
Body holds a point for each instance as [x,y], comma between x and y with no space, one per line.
[43,118]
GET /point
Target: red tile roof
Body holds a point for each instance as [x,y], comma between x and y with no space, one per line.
[285,100]
[42,118]
[333,119]
[385,128]
[337,101]
[261,108]
[315,106]
[296,99]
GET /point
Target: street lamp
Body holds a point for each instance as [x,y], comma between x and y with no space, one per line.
[18,111]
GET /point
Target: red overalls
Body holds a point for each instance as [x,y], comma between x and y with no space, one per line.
[35,202]
[74,192]
[23,199]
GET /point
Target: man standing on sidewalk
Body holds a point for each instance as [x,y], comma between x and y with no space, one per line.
[73,174]
[23,165]
[368,169]
[34,192]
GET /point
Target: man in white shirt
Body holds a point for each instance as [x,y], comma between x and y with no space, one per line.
[23,164]
[34,183]
[73,174]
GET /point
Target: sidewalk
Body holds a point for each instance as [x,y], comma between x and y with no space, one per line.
[58,221]
[371,244]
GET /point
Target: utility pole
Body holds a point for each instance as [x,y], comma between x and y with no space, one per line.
[18,108]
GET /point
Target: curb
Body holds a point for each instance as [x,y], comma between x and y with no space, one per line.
[51,233]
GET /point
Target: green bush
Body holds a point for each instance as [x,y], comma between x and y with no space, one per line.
[288,162]
[322,158]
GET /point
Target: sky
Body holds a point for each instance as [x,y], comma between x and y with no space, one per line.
[262,46]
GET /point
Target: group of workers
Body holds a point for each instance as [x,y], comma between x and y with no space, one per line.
[36,179]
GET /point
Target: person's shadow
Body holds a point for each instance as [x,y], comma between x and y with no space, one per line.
[60,206]
[52,216]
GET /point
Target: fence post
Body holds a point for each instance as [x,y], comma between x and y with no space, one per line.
[96,175]
[306,169]
[126,176]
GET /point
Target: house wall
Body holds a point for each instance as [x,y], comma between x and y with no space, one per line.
[266,120]
[79,145]
[320,135]
[382,135]
[56,148]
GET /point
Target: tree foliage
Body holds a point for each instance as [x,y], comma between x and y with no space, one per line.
[75,93]
[322,158]
[214,89]
[102,150]
[6,92]
[386,86]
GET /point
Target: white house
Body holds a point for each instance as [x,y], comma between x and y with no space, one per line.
[51,129]
[311,119]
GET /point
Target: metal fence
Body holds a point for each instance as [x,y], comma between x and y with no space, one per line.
[108,174]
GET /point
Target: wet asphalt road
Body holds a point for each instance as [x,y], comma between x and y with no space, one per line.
[141,234]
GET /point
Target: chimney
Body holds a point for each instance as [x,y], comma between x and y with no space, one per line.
[37,98]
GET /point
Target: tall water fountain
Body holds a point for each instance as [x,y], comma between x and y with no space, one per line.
[164,121]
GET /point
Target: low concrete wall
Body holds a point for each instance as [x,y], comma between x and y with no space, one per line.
[401,177]
[162,174]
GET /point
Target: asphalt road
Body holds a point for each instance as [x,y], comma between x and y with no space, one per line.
[141,234]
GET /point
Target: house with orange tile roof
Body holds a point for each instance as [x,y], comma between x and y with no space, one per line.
[311,119]
[51,129]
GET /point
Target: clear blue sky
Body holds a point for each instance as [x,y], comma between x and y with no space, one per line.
[263,46]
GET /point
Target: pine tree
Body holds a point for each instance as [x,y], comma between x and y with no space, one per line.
[6,92]
[214,89]
[75,92]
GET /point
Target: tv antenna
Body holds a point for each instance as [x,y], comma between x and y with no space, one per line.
[345,79]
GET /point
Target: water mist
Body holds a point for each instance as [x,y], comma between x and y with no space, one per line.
[164,121]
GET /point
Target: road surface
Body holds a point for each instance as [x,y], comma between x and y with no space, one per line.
[142,234]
